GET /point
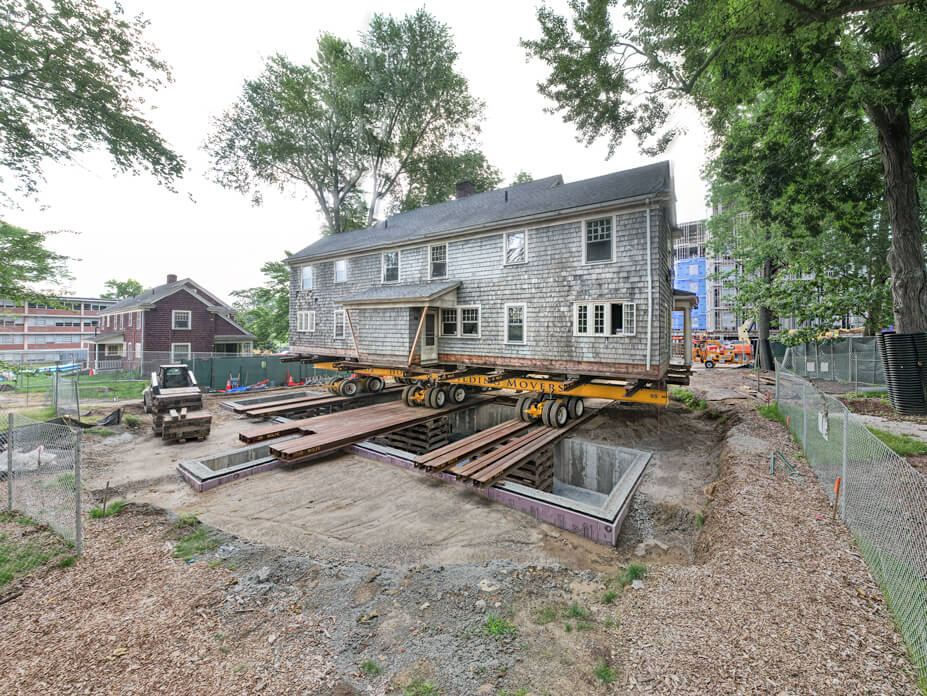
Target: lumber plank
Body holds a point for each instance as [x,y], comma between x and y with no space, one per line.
[471,446]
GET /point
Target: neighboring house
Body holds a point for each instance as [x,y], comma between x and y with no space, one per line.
[179,318]
[545,276]
[60,331]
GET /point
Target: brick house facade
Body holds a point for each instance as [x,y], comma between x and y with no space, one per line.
[178,319]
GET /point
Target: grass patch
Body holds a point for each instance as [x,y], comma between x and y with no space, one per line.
[193,544]
[18,519]
[584,626]
[902,445]
[497,627]
[771,412]
[130,420]
[609,596]
[699,520]
[635,571]
[688,398]
[610,622]
[545,615]
[371,668]
[574,611]
[102,432]
[44,413]
[18,558]
[113,508]
[568,627]
[867,395]
[605,673]
[420,687]
[67,561]
[63,481]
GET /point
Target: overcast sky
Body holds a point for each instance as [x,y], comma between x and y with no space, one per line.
[127,226]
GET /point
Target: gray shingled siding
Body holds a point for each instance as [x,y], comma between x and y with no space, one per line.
[551,280]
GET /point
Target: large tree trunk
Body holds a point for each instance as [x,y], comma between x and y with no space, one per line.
[906,257]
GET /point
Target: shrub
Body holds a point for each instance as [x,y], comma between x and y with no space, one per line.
[112,508]
[688,398]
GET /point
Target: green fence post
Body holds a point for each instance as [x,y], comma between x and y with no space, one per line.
[843,469]
[804,421]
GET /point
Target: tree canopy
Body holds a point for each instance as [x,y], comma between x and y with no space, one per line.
[847,66]
[72,77]
[359,125]
[120,289]
[265,310]
[26,263]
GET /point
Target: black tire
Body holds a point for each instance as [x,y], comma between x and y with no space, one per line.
[438,397]
[520,406]
[375,384]
[429,398]
[558,414]
[406,393]
[545,414]
[576,407]
[709,364]
[457,393]
[348,387]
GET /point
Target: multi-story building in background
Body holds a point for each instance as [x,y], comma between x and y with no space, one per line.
[698,270]
[60,331]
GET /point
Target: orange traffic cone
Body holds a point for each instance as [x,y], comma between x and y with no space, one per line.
[290,382]
[228,384]
[91,372]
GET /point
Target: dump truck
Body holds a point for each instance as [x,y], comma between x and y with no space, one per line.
[175,402]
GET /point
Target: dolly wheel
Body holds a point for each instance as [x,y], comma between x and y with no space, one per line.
[375,384]
[554,414]
[525,403]
[348,387]
[438,397]
[575,407]
[334,383]
[458,393]
[709,364]
[429,394]
[406,396]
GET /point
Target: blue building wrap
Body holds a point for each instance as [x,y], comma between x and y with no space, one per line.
[692,275]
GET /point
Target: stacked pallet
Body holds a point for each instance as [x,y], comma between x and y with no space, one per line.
[182,424]
[472,446]
[315,405]
[420,438]
[537,472]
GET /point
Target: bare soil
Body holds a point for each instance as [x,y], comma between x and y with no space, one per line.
[320,568]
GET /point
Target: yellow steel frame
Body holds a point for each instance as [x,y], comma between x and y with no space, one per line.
[588,390]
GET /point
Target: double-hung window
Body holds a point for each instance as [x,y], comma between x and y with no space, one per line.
[515,247]
[180,319]
[180,351]
[515,323]
[449,321]
[604,318]
[306,280]
[340,321]
[599,240]
[391,267]
[305,321]
[460,321]
[437,261]
[341,270]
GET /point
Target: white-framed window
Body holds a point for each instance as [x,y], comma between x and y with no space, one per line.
[181,320]
[604,318]
[470,321]
[305,321]
[122,321]
[598,240]
[138,350]
[516,247]
[130,319]
[6,339]
[391,266]
[437,261]
[516,324]
[306,278]
[448,321]
[180,351]
[341,270]
[340,321]
[115,349]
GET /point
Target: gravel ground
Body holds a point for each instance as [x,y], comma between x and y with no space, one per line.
[775,601]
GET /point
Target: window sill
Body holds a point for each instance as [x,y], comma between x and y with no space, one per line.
[515,263]
[598,263]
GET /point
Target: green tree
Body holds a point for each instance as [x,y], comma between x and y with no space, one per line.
[522,177]
[847,57]
[265,310]
[71,78]
[26,263]
[354,125]
[120,289]
[434,177]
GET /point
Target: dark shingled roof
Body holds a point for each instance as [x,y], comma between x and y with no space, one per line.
[407,292]
[538,197]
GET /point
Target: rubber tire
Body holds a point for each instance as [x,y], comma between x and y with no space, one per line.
[457,393]
[429,396]
[375,384]
[334,384]
[709,364]
[439,397]
[406,393]
[554,415]
[545,414]
[520,406]
[348,387]
[575,407]
[531,401]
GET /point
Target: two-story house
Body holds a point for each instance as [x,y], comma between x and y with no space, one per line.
[178,319]
[547,276]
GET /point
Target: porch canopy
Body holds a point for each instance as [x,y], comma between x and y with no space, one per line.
[109,339]
[430,294]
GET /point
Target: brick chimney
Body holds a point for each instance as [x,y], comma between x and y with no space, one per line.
[171,278]
[465,188]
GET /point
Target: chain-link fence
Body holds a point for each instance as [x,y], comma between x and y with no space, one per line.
[40,479]
[854,361]
[66,394]
[882,500]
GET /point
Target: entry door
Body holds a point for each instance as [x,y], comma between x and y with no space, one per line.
[429,349]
